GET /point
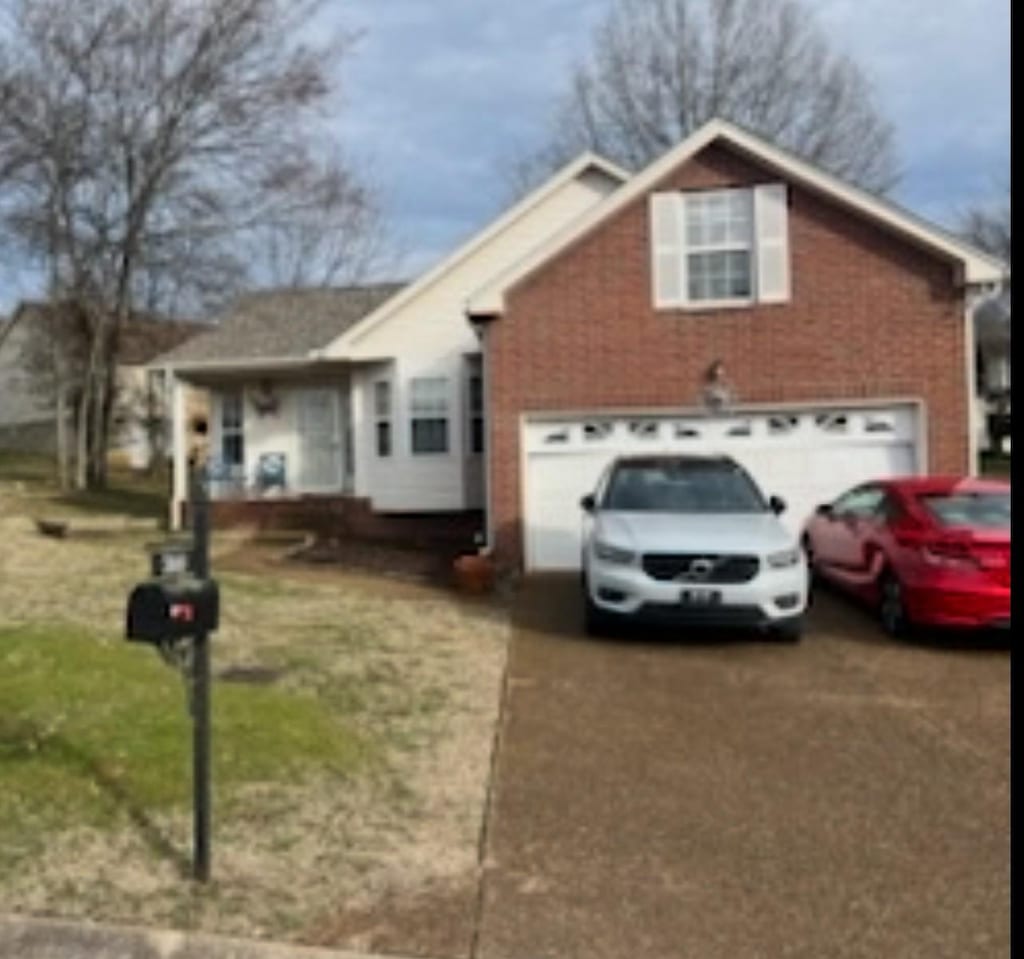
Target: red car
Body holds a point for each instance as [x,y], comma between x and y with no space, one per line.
[923,551]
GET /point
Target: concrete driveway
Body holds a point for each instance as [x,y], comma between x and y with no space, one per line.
[726,796]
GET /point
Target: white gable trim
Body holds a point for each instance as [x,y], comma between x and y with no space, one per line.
[976,267]
[571,171]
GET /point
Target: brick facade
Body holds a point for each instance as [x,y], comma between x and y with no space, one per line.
[870,315]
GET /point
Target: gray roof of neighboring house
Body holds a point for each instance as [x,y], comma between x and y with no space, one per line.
[282,324]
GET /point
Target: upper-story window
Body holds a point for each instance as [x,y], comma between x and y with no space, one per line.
[720,248]
[428,414]
[719,245]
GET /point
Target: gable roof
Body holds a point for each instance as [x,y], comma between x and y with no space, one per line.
[976,266]
[285,325]
[583,164]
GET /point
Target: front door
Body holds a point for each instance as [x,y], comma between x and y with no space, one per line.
[320,454]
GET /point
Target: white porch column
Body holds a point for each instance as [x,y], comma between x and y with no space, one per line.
[179,450]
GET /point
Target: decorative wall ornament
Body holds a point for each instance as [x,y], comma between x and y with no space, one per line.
[264,400]
[716,392]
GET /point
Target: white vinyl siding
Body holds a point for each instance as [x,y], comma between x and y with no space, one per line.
[428,415]
[719,247]
[428,336]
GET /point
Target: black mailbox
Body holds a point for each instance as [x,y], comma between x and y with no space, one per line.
[172,608]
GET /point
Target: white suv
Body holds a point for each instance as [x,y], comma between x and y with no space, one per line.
[689,539]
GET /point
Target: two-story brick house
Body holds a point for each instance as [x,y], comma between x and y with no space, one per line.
[841,322]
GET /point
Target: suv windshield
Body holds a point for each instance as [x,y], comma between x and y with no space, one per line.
[682,486]
[981,510]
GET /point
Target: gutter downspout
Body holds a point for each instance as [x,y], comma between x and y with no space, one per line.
[479,326]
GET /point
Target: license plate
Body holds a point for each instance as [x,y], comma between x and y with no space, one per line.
[700,597]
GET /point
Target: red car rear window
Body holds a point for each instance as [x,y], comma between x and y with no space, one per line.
[982,510]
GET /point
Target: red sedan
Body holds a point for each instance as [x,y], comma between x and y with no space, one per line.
[924,550]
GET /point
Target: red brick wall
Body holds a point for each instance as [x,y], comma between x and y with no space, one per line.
[869,316]
[351,518]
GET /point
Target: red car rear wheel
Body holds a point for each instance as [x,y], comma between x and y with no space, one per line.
[892,608]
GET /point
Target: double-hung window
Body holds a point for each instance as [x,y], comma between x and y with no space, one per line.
[720,248]
[475,407]
[428,414]
[719,245]
[382,416]
[232,438]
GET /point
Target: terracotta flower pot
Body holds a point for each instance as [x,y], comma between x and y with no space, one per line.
[474,573]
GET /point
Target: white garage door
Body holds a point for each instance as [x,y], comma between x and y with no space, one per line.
[805,456]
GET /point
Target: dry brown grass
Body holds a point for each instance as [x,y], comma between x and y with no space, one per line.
[417,670]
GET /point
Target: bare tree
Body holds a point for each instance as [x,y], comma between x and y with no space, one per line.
[139,141]
[659,69]
[987,226]
[327,230]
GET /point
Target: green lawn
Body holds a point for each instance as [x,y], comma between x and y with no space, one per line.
[95,730]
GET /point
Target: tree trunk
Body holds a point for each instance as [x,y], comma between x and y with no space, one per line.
[63,471]
[82,437]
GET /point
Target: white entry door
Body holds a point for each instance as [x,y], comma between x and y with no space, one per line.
[805,456]
[320,452]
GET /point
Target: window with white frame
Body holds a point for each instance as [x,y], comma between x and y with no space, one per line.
[719,245]
[475,407]
[720,248]
[382,411]
[428,414]
[232,439]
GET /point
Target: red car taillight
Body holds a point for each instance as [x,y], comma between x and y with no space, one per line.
[949,554]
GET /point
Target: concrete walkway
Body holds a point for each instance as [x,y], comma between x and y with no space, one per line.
[22,938]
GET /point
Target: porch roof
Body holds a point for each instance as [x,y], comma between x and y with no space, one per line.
[282,327]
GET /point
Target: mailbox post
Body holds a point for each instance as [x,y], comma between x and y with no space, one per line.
[200,518]
[176,611]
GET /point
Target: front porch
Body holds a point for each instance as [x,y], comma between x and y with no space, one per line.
[271,436]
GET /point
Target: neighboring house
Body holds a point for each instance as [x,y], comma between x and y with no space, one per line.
[372,395]
[39,335]
[992,330]
[839,326]
[843,325]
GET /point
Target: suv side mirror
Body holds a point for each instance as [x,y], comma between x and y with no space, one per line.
[823,509]
[776,504]
[588,504]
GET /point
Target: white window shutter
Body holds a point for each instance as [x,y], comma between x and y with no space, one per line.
[668,254]
[771,226]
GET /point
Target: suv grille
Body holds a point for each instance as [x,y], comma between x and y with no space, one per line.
[700,567]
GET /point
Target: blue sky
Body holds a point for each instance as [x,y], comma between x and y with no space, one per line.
[438,93]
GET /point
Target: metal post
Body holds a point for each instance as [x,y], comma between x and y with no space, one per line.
[200,518]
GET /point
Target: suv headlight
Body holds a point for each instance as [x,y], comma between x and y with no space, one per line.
[613,554]
[784,558]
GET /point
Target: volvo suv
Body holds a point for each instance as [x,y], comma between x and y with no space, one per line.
[689,540]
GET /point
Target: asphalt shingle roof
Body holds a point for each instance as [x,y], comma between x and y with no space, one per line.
[282,324]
